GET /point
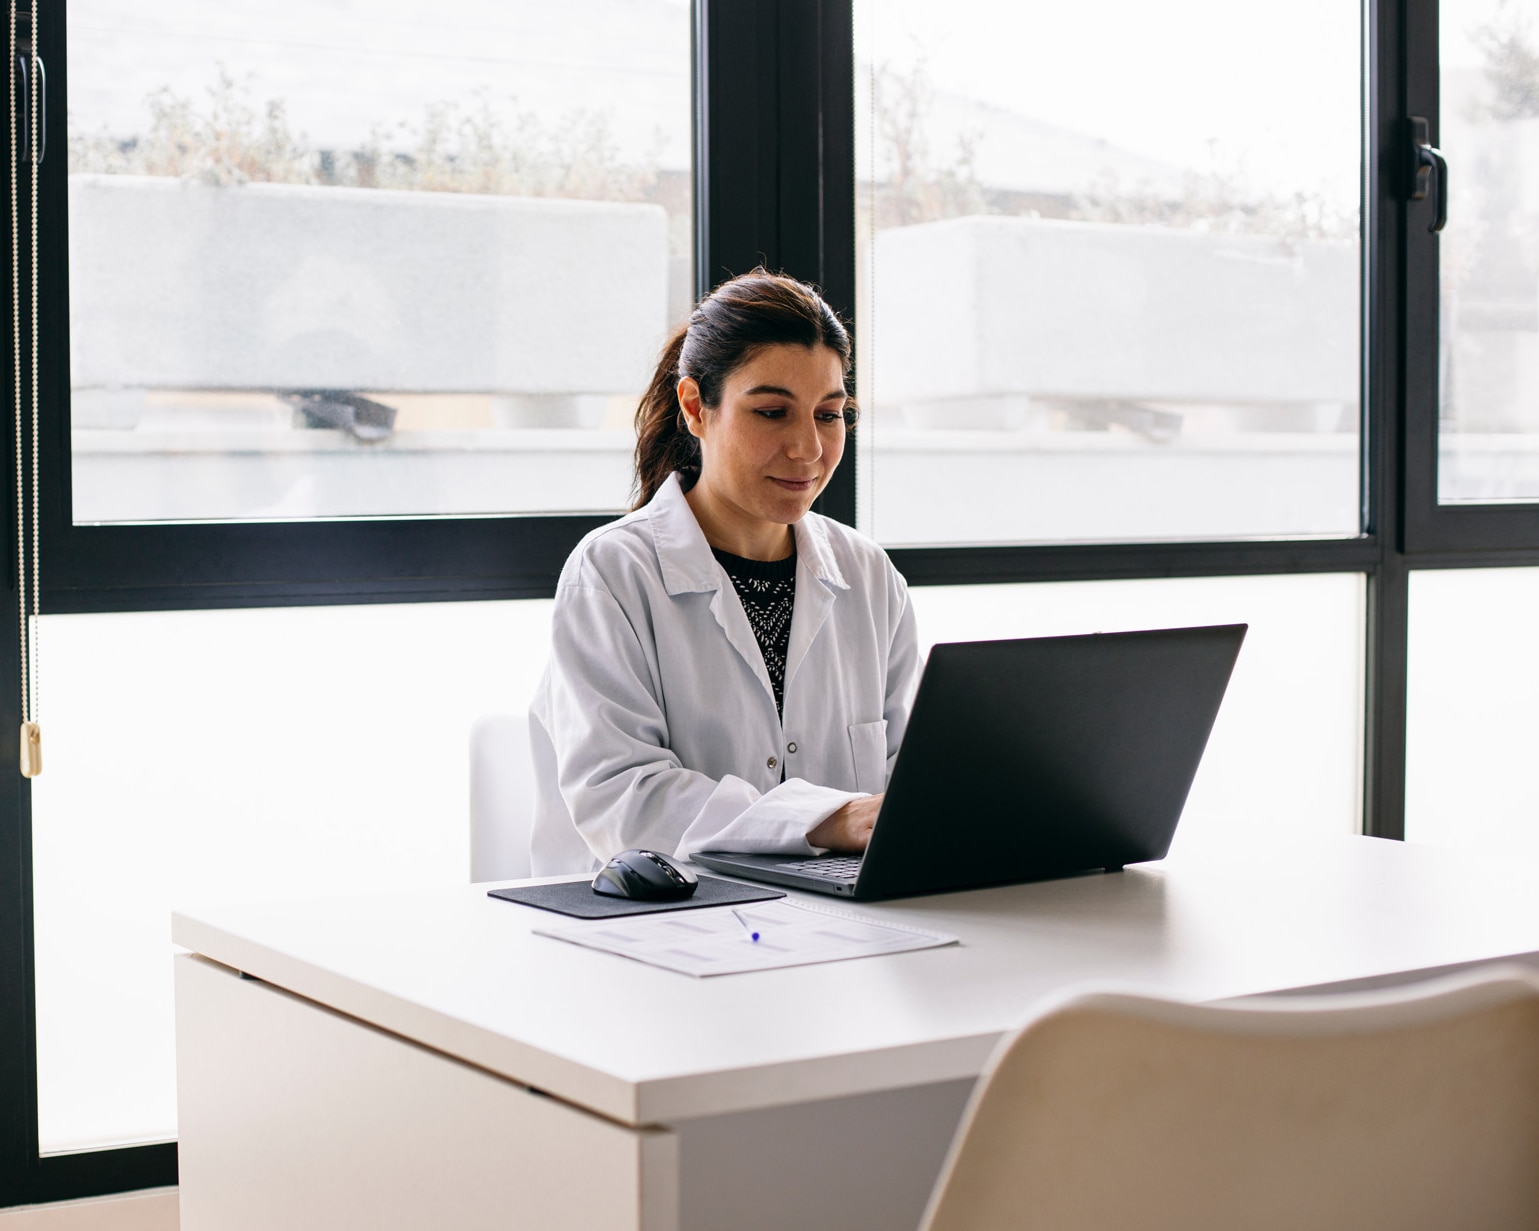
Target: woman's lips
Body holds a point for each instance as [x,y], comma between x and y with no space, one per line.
[795,485]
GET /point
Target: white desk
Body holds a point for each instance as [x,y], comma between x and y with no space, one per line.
[422,1060]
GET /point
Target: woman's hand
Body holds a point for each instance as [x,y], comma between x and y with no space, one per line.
[849,829]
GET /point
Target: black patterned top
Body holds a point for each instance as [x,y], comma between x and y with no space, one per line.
[768,591]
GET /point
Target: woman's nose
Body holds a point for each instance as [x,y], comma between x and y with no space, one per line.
[803,443]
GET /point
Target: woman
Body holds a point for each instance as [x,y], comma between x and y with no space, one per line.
[728,669]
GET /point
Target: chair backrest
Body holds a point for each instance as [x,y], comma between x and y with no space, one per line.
[1407,1109]
[501,797]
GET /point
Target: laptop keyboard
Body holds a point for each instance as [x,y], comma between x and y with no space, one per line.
[830,867]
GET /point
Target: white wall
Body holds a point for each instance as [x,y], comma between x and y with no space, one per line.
[180,285]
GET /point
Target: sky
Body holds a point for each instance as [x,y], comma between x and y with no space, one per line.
[1269,92]
[1460,17]
[344,66]
[1274,90]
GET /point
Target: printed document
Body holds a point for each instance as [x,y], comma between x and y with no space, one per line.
[726,940]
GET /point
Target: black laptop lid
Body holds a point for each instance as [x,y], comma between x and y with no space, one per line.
[1042,757]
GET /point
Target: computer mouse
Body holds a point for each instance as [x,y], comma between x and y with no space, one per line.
[644,876]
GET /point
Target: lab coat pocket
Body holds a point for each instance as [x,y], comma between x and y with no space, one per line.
[868,747]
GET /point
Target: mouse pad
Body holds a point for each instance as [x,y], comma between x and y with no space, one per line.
[576,898]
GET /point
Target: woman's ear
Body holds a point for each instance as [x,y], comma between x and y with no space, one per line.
[690,406]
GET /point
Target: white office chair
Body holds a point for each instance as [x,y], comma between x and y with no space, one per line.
[501,797]
[1414,1108]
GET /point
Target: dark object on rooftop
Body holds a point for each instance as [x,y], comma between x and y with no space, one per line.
[362,417]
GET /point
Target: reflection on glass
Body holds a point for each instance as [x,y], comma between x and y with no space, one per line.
[417,259]
[1110,286]
[1488,439]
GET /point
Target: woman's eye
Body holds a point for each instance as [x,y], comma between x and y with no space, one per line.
[771,412]
[830,416]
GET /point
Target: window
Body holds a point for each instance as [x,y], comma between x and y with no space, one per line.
[1488,385]
[325,264]
[1101,303]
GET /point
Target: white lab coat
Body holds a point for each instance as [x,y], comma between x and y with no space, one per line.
[655,724]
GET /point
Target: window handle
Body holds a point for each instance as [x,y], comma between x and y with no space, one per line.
[36,143]
[1425,159]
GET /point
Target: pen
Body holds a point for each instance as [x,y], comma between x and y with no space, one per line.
[747,927]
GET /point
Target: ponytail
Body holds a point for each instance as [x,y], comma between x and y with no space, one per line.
[663,443]
[727,327]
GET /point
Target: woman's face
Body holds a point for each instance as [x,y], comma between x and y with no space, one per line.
[769,448]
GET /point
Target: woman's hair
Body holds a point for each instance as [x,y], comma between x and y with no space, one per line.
[727,327]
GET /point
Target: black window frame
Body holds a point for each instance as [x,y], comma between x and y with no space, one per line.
[775,184]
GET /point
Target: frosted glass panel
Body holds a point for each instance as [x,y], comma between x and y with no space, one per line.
[244,755]
[198,757]
[1472,777]
[1284,755]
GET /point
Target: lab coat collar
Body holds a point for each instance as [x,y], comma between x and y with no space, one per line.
[685,559]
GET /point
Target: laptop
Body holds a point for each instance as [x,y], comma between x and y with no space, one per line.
[1028,760]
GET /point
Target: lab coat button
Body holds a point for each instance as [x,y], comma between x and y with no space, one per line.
[772,762]
[791,747]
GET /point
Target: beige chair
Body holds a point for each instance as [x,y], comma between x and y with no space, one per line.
[501,798]
[1407,1109]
